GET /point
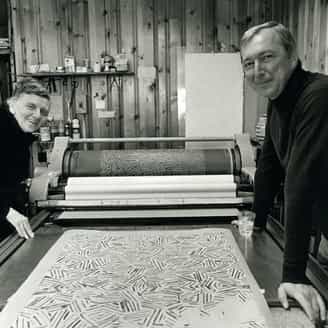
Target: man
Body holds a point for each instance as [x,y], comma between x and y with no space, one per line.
[295,151]
[26,110]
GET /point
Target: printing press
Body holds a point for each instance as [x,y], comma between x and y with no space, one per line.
[208,180]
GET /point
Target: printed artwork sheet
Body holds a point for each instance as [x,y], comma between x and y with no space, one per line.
[180,279]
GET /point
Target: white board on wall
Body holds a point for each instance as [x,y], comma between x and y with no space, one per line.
[214,94]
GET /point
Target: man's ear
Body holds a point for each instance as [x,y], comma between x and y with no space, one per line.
[11,106]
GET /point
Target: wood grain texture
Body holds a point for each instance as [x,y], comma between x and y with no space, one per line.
[155,35]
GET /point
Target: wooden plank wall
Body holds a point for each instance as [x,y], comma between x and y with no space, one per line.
[153,34]
[307,19]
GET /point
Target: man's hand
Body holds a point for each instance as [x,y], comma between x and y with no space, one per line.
[308,298]
[21,224]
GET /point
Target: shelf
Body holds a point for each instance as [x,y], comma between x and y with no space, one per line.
[75,74]
[4,51]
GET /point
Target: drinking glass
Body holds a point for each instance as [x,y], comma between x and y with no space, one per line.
[246,225]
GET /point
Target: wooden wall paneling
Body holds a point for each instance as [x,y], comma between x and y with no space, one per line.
[66,48]
[238,26]
[194,34]
[49,30]
[309,14]
[277,10]
[257,11]
[250,14]
[112,44]
[236,23]
[284,13]
[306,33]
[316,36]
[162,63]
[209,28]
[65,16]
[263,11]
[98,85]
[135,66]
[224,25]
[80,31]
[156,85]
[176,19]
[127,44]
[300,31]
[81,54]
[174,43]
[323,44]
[146,71]
[239,9]
[110,48]
[30,34]
[266,10]
[50,51]
[17,37]
[293,17]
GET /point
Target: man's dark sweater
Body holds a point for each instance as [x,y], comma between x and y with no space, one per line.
[14,164]
[295,151]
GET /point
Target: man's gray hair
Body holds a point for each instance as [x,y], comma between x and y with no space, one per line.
[285,36]
[30,86]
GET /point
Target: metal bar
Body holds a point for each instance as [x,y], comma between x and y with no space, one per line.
[148,139]
[147,213]
[143,202]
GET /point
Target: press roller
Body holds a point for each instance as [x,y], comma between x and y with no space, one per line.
[77,163]
[154,177]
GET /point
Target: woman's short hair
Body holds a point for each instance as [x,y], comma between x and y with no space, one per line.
[30,86]
[285,36]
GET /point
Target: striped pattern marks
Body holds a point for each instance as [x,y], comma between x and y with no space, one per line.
[145,279]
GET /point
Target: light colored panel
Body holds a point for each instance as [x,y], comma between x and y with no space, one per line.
[214,95]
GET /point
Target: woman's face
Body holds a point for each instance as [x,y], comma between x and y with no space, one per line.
[30,111]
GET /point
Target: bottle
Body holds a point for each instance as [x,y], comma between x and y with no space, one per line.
[67,129]
[45,139]
[76,129]
[53,128]
[61,128]
[45,132]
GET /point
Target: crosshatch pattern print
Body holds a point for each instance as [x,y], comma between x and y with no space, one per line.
[179,279]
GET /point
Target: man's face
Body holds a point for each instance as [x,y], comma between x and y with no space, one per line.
[30,111]
[267,66]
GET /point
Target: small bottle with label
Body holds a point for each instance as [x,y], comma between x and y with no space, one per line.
[67,129]
[76,129]
[45,139]
[45,132]
[53,128]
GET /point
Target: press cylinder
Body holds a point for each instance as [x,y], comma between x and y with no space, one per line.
[79,163]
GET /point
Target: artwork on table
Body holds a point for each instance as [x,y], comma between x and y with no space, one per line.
[173,278]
